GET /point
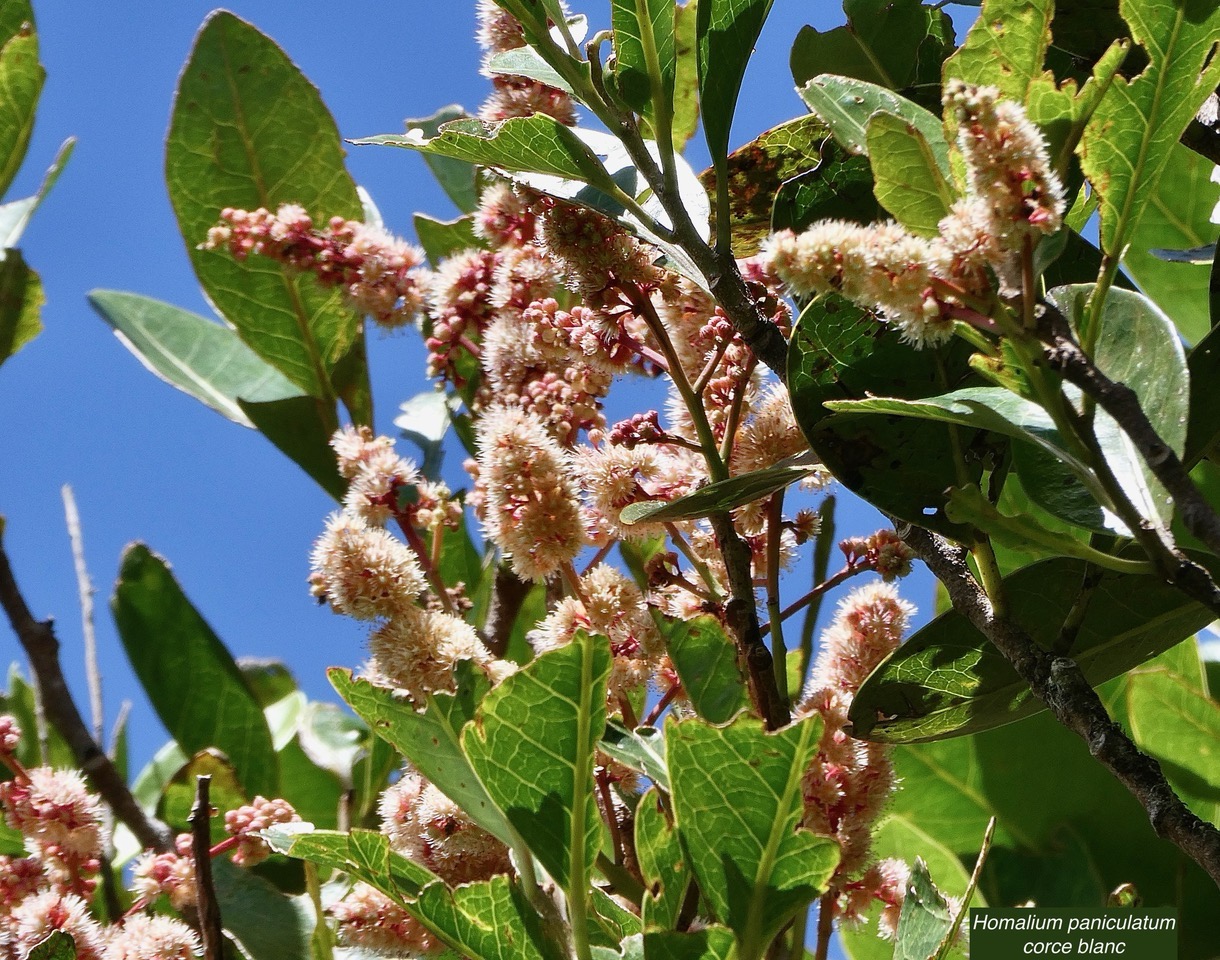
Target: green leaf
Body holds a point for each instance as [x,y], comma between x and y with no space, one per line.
[270,681]
[1131,136]
[724,495]
[706,661]
[1137,346]
[424,420]
[533,744]
[1204,427]
[301,428]
[1025,532]
[201,358]
[431,738]
[458,178]
[15,216]
[757,170]
[178,797]
[925,918]
[536,144]
[727,31]
[314,792]
[527,62]
[1179,723]
[846,105]
[1006,47]
[644,48]
[21,302]
[883,42]
[57,946]
[249,130]
[948,680]
[266,924]
[1178,215]
[188,675]
[737,804]
[361,854]
[488,920]
[662,864]
[841,188]
[907,170]
[641,749]
[444,238]
[710,943]
[21,79]
[686,74]
[837,352]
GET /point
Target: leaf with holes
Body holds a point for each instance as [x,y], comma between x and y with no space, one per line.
[249,130]
[662,862]
[947,680]
[737,805]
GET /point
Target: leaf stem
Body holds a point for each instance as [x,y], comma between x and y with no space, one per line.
[779,650]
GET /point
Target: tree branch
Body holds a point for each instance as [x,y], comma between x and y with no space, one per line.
[1059,683]
[1118,400]
[38,639]
[508,593]
[211,931]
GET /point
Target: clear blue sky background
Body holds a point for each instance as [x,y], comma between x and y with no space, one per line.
[234,517]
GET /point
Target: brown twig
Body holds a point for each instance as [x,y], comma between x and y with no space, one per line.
[826,918]
[1059,683]
[211,932]
[37,638]
[508,593]
[1118,400]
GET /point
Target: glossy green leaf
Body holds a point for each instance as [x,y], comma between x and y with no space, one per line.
[21,301]
[457,177]
[883,42]
[265,924]
[737,805]
[1178,215]
[441,238]
[1204,428]
[188,675]
[724,495]
[301,428]
[706,661]
[907,171]
[1025,532]
[431,738]
[488,920]
[1179,723]
[203,359]
[925,918]
[686,74]
[533,744]
[424,420]
[1131,136]
[662,863]
[846,105]
[1137,346]
[57,946]
[21,79]
[644,51]
[838,352]
[249,130]
[948,680]
[727,31]
[361,854]
[641,749]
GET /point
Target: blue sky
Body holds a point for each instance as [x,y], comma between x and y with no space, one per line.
[233,517]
